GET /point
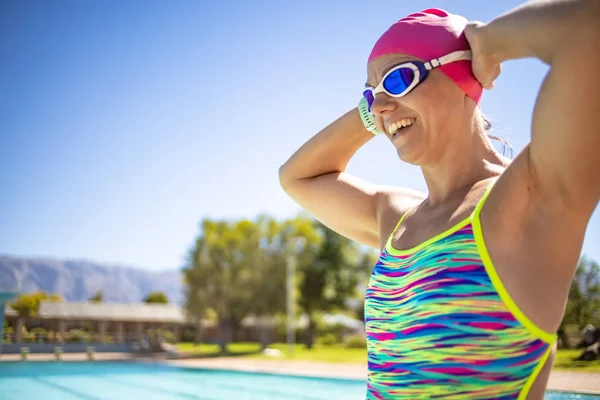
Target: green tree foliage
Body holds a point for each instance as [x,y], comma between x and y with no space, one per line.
[367,262]
[98,297]
[268,277]
[238,269]
[222,273]
[583,305]
[156,297]
[332,277]
[28,305]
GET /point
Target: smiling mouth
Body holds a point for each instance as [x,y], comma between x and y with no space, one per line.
[398,127]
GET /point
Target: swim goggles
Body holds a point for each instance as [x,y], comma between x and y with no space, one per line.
[403,78]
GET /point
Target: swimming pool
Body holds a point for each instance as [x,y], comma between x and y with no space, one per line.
[130,380]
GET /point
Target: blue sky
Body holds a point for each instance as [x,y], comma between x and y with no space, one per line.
[123,124]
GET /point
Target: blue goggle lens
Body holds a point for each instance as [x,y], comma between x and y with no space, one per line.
[398,81]
[395,83]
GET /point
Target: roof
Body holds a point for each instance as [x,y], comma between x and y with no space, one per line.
[9,312]
[151,313]
[142,312]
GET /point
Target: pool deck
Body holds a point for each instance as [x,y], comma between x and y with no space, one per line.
[69,357]
[581,382]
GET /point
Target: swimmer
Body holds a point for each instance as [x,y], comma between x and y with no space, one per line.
[473,276]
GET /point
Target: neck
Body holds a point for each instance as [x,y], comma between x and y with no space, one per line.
[461,166]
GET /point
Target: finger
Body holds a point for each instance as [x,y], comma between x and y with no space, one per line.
[495,76]
[487,81]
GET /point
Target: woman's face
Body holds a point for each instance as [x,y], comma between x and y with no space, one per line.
[435,112]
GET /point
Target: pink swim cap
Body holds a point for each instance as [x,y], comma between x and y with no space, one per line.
[429,34]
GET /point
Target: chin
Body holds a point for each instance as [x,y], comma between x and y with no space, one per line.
[408,156]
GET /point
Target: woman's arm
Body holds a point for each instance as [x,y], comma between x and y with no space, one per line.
[314,177]
[562,158]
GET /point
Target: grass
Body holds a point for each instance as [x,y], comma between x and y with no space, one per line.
[333,353]
[213,350]
[565,359]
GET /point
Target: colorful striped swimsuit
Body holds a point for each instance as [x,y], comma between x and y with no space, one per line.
[440,324]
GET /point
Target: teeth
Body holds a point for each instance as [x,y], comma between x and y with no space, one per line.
[394,127]
[406,122]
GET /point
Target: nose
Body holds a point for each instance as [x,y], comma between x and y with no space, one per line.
[382,103]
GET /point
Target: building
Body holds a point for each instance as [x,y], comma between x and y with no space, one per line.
[118,323]
[109,326]
[113,327]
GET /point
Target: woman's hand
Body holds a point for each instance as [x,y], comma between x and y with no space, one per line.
[485,67]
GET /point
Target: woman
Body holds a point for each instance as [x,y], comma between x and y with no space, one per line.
[473,277]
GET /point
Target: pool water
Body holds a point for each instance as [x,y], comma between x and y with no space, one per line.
[129,380]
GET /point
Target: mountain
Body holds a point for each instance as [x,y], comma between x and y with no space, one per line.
[80,280]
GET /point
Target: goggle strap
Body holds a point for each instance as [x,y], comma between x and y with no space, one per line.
[455,56]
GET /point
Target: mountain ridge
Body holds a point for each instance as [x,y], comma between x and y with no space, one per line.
[78,280]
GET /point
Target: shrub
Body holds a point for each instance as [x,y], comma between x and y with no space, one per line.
[77,336]
[188,335]
[355,342]
[281,333]
[108,339]
[27,336]
[39,334]
[168,336]
[328,339]
[338,330]
[8,334]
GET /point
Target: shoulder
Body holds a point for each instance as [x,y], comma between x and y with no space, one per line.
[517,217]
[519,196]
[507,206]
[397,200]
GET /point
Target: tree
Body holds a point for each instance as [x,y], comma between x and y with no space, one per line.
[331,277]
[277,242]
[98,297]
[197,302]
[28,305]
[219,274]
[156,297]
[366,264]
[238,269]
[583,304]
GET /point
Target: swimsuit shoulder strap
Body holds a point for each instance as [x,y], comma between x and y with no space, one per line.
[391,237]
[474,215]
[477,210]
